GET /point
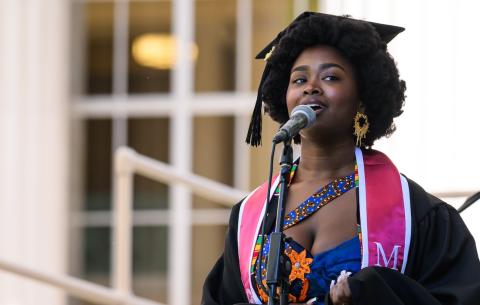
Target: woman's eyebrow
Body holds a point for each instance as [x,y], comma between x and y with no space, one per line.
[323,66]
[300,68]
[330,65]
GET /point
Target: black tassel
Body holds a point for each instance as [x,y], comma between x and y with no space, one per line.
[254,134]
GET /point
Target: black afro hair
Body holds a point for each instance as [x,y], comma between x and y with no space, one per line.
[381,90]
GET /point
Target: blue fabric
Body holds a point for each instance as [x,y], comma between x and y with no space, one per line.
[327,266]
[324,267]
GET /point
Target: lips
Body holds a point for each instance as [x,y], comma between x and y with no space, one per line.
[317,106]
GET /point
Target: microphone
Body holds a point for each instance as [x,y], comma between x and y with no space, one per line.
[302,116]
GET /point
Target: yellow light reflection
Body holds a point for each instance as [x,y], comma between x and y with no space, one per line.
[158,51]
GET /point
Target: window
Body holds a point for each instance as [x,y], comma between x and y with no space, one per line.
[127,97]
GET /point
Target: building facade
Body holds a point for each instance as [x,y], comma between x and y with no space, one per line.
[176,81]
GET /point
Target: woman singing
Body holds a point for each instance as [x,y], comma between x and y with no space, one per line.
[358,231]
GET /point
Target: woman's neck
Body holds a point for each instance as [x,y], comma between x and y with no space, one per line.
[325,162]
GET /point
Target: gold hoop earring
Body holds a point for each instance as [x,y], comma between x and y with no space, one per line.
[360,126]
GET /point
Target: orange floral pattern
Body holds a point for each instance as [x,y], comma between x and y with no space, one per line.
[300,265]
[300,268]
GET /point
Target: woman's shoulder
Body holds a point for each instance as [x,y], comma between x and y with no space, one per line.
[234,212]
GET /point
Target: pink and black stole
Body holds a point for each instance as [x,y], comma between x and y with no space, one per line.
[385,217]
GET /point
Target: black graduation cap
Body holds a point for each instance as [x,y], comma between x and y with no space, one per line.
[386,32]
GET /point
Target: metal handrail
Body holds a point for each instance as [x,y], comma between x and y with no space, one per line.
[453,194]
[127,163]
[80,288]
[127,160]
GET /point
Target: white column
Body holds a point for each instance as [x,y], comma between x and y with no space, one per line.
[34,127]
[243,71]
[120,71]
[180,201]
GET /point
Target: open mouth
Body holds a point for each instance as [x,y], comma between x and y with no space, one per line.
[315,107]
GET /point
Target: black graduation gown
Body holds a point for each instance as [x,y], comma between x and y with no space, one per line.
[443,265]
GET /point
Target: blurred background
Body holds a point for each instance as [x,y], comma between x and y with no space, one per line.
[176,80]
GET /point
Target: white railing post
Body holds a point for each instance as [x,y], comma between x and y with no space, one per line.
[122,222]
[181,138]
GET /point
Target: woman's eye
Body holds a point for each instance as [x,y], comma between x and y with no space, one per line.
[299,80]
[330,78]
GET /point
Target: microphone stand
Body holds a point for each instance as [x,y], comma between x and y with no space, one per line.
[279,266]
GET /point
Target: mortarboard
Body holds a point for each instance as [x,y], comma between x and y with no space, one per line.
[385,31]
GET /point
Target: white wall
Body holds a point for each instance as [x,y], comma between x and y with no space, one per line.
[437,142]
[33,145]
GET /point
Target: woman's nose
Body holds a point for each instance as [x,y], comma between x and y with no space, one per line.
[310,90]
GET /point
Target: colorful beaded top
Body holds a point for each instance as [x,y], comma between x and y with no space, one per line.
[310,276]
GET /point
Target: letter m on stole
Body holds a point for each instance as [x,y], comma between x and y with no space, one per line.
[381,254]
